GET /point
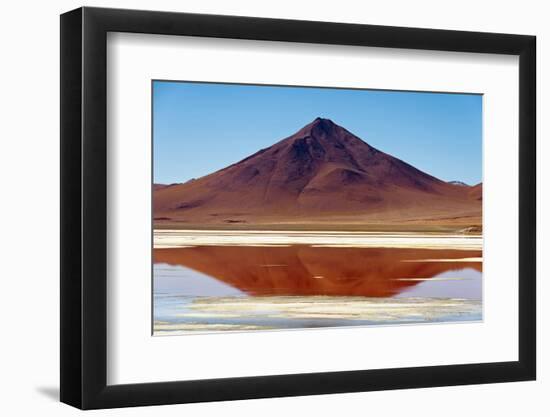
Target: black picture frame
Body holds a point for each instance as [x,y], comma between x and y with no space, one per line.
[84,207]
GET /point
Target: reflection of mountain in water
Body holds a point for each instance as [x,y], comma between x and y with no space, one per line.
[306,270]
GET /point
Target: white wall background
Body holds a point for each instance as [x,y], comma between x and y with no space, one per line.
[29,225]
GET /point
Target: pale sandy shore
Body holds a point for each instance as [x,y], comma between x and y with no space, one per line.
[189,238]
[263,313]
[173,329]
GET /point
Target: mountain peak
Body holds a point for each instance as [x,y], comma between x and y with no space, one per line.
[322,128]
[321,120]
[324,124]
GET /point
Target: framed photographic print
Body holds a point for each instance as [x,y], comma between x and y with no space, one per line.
[257,208]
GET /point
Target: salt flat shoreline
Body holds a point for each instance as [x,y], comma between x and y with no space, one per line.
[172,238]
[214,314]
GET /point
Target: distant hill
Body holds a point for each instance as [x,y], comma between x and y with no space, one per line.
[321,174]
[460,183]
[476,192]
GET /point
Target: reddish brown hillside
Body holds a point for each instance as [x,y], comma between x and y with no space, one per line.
[476,192]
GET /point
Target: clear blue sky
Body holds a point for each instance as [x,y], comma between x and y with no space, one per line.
[200,128]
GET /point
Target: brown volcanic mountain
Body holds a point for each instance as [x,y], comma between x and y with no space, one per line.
[321,174]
